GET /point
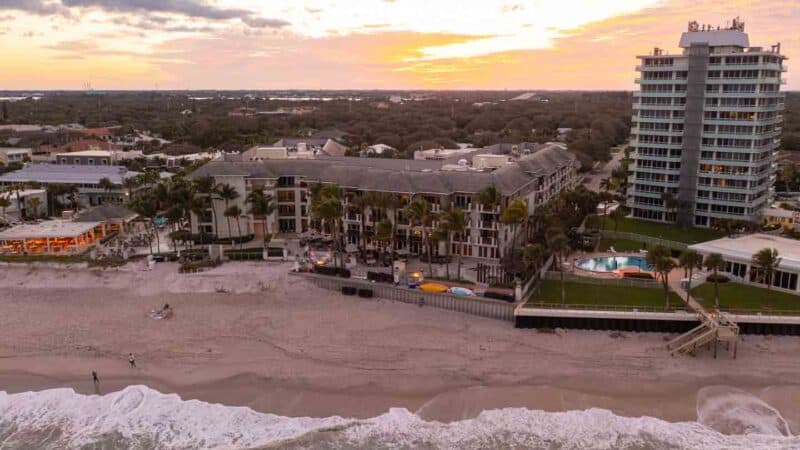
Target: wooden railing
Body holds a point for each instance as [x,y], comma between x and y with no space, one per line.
[476,306]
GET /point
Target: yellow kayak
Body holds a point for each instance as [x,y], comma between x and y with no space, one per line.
[435,288]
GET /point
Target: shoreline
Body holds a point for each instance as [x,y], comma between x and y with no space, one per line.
[672,401]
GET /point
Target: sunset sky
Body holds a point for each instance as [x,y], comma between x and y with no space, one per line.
[359,44]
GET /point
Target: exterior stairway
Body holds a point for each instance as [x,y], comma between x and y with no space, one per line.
[713,328]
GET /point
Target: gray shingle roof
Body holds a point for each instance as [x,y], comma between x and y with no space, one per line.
[398,175]
[105,212]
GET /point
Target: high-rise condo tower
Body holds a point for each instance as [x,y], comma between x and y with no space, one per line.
[706,125]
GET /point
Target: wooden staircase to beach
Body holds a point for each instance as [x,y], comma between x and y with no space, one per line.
[714,328]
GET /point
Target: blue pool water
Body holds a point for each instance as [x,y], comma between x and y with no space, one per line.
[612,263]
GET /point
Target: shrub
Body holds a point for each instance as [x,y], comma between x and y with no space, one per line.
[641,275]
[109,237]
[380,277]
[197,266]
[274,252]
[718,278]
[332,271]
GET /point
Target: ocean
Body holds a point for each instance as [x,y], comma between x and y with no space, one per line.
[139,417]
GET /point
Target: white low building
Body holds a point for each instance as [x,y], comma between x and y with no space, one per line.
[738,254]
[11,155]
[23,206]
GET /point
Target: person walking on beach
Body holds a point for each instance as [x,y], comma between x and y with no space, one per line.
[131,360]
[96,382]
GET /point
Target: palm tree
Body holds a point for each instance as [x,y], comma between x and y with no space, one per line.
[144,205]
[227,193]
[235,212]
[690,260]
[617,215]
[261,207]
[419,214]
[515,213]
[4,203]
[326,206]
[489,196]
[130,184]
[71,191]
[329,209]
[455,223]
[766,262]
[197,206]
[35,203]
[360,203]
[205,186]
[662,262]
[148,178]
[714,263]
[532,255]
[558,245]
[106,184]
[383,234]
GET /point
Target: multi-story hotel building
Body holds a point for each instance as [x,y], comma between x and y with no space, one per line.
[706,125]
[536,178]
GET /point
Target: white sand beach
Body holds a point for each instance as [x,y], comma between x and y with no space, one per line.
[281,345]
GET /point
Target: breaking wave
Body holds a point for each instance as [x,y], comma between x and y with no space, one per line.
[139,417]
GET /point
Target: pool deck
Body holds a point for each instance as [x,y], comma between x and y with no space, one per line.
[578,256]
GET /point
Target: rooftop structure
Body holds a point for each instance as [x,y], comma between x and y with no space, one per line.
[440,154]
[706,124]
[87,144]
[88,158]
[10,155]
[49,237]
[85,177]
[67,174]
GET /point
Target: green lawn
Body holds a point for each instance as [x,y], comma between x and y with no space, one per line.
[597,296]
[743,296]
[620,245]
[660,230]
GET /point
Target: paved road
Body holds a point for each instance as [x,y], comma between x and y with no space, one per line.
[593,178]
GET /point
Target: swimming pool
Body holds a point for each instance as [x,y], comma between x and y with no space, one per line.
[612,263]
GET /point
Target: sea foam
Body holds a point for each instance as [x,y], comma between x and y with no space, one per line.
[140,417]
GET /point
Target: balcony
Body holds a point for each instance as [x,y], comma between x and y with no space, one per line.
[487,241]
[637,118]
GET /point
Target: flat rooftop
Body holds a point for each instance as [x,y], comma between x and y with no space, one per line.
[22,193]
[743,248]
[95,153]
[47,229]
[67,174]
[12,150]
[715,38]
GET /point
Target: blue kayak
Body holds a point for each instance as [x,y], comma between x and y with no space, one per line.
[461,292]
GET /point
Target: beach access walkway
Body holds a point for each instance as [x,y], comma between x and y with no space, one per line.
[714,327]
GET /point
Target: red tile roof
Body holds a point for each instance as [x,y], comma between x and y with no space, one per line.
[88,144]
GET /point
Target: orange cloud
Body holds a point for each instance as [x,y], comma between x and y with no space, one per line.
[600,55]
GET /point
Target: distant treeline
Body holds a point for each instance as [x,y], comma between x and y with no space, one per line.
[600,120]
